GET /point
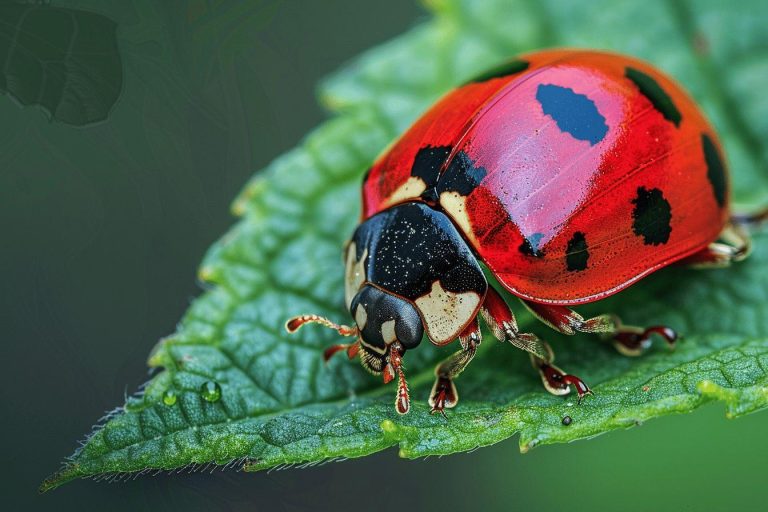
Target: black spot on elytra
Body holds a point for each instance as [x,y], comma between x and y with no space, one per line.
[651,216]
[655,94]
[500,71]
[427,163]
[577,253]
[715,170]
[461,175]
[530,245]
[574,113]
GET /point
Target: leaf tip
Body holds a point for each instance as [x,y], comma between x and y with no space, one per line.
[205,274]
[330,102]
[254,188]
[59,478]
[239,207]
[159,357]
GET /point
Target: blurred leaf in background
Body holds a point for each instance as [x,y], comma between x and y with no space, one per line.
[237,391]
[65,61]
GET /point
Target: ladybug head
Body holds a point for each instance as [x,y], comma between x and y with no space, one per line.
[383,319]
[386,326]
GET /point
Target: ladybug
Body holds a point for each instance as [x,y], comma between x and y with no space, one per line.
[569,175]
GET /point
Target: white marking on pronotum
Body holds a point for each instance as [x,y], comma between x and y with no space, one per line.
[355,273]
[445,313]
[412,188]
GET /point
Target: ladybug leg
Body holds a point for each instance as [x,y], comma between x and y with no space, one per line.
[444,395]
[733,245]
[394,368]
[628,340]
[555,380]
[750,219]
[503,325]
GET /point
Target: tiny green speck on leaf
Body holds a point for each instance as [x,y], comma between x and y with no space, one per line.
[241,389]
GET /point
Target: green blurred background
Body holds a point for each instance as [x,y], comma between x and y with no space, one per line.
[104,225]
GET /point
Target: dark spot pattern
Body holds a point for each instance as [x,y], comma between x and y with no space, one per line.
[652,216]
[651,89]
[530,245]
[508,68]
[577,253]
[715,170]
[461,175]
[427,163]
[574,113]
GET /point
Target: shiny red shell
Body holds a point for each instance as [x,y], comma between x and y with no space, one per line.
[569,209]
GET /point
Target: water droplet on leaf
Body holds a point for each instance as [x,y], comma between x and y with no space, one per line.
[211,391]
[169,397]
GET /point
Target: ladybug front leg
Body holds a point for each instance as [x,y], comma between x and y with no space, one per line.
[503,325]
[628,340]
[444,395]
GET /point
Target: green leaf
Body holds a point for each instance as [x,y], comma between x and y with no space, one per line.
[64,60]
[281,405]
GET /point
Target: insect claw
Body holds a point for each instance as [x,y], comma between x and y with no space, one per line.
[440,410]
[582,395]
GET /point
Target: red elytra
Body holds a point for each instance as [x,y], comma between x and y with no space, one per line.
[544,186]
[570,174]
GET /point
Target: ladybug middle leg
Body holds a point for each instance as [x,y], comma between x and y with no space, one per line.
[502,323]
[733,245]
[444,395]
[627,339]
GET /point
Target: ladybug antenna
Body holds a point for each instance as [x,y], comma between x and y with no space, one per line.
[395,366]
[293,324]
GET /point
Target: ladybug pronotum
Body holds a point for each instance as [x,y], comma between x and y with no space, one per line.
[570,175]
